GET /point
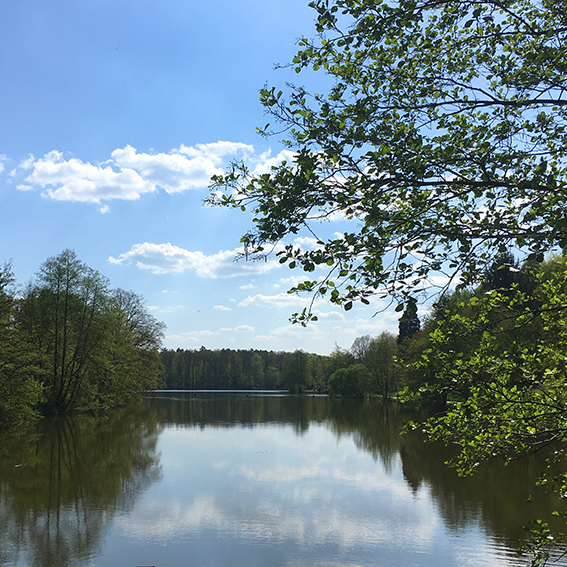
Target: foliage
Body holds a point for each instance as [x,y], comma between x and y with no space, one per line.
[383,375]
[295,371]
[244,369]
[442,137]
[509,391]
[443,140]
[499,358]
[409,323]
[340,358]
[502,274]
[349,382]
[148,332]
[19,392]
[360,346]
[70,339]
[63,316]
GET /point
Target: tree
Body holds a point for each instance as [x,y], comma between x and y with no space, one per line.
[147,330]
[499,357]
[442,137]
[409,323]
[295,370]
[360,346]
[19,391]
[502,274]
[339,358]
[379,359]
[95,348]
[146,334]
[349,382]
[257,371]
[62,316]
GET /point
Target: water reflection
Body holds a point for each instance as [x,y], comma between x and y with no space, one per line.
[215,409]
[62,484]
[494,501]
[496,496]
[223,480]
[232,491]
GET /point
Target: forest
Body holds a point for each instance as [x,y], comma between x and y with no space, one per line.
[369,360]
[367,368]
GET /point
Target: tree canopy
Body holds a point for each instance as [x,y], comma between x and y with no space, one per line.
[442,138]
[68,342]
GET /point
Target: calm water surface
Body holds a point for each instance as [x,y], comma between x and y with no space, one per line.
[236,479]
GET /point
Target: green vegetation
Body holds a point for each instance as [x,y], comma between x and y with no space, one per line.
[19,391]
[227,369]
[69,343]
[492,360]
[367,369]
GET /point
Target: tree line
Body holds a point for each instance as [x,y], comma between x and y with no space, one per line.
[203,369]
[68,342]
[366,369]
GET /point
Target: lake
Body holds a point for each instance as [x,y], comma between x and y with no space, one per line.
[243,479]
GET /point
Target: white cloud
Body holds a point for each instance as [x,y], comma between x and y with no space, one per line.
[247,286]
[104,209]
[73,180]
[295,331]
[330,316]
[265,162]
[196,337]
[190,337]
[337,216]
[239,329]
[167,258]
[171,309]
[217,150]
[307,242]
[128,174]
[370,328]
[277,301]
[222,308]
[349,330]
[178,170]
[294,280]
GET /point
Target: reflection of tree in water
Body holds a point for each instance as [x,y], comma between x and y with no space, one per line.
[62,484]
[375,427]
[207,409]
[495,497]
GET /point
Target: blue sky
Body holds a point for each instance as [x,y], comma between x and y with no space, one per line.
[113,116]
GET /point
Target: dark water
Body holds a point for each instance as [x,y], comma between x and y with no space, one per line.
[227,480]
